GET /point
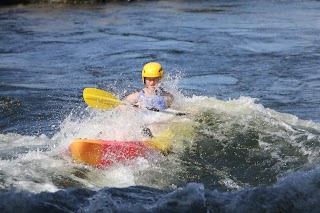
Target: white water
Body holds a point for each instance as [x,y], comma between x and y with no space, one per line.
[38,164]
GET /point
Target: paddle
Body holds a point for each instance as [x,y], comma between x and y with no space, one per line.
[100,99]
[104,100]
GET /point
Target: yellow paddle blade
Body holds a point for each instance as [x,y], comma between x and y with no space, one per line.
[174,137]
[100,99]
[98,92]
[162,142]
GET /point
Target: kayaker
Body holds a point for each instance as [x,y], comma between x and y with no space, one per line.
[153,95]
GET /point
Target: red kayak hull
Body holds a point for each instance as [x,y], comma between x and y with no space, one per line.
[100,153]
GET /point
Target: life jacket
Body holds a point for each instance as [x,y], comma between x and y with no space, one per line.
[156,101]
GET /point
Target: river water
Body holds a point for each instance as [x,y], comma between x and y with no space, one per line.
[248,73]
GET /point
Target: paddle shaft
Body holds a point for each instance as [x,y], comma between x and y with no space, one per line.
[104,100]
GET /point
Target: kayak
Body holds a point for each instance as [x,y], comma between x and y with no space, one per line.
[100,153]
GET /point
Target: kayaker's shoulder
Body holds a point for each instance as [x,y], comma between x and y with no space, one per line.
[132,97]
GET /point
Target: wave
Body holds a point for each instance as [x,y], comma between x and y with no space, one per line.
[225,145]
[226,156]
[298,192]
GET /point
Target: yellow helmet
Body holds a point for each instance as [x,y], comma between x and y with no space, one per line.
[152,70]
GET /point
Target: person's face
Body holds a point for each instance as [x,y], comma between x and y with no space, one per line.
[151,82]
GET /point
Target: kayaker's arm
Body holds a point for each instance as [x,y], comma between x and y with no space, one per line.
[133,99]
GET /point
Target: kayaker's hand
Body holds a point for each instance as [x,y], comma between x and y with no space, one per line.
[137,105]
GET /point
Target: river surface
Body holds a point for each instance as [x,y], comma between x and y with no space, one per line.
[247,72]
